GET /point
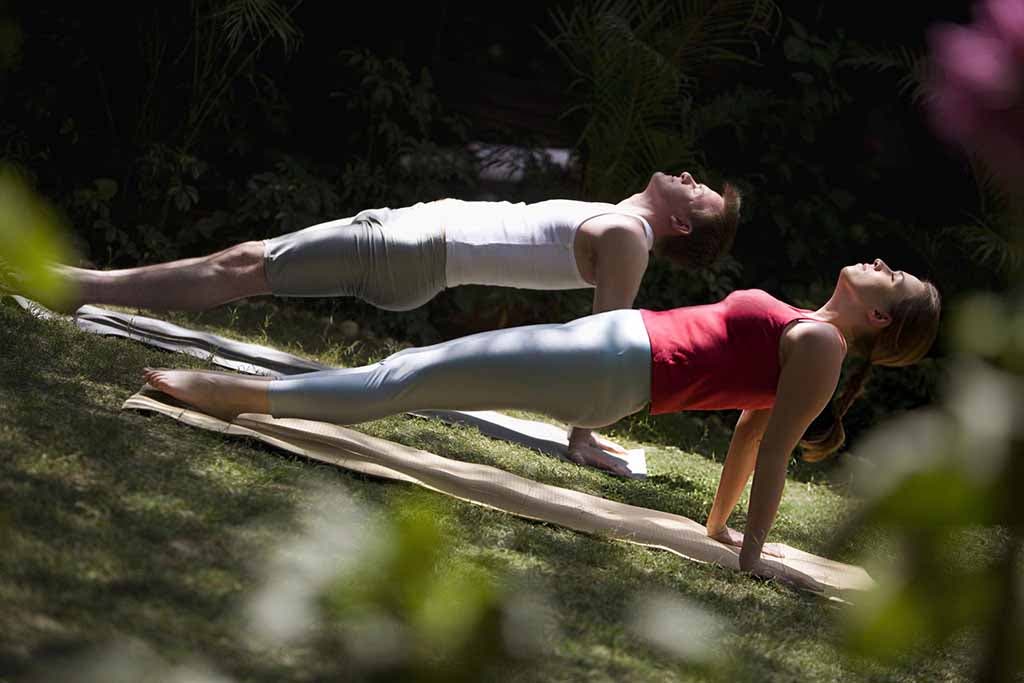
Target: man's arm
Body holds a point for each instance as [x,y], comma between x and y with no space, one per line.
[620,262]
[809,377]
[739,464]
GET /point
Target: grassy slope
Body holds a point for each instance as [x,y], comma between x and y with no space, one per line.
[114,523]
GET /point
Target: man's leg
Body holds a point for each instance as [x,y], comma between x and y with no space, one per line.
[193,284]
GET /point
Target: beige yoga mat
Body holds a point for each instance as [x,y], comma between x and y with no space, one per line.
[501,490]
[255,359]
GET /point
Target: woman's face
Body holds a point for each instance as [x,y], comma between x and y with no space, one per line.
[877,286]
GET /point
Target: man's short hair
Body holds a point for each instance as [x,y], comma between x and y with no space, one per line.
[711,236]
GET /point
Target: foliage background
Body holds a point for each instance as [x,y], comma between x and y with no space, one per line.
[168,131]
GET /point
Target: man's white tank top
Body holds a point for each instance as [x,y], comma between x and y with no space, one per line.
[529,246]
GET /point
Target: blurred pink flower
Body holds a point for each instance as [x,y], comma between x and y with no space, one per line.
[1007,20]
[977,85]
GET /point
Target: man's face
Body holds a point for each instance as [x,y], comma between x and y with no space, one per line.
[685,195]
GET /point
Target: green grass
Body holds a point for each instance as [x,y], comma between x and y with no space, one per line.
[115,524]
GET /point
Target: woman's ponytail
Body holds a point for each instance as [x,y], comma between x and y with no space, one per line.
[819,446]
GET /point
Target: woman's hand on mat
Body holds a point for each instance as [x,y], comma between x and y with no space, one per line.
[732,537]
[787,575]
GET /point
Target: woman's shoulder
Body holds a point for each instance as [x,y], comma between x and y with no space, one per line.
[756,296]
[814,342]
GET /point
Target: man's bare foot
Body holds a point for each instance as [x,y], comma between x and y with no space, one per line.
[74,290]
[65,298]
[220,394]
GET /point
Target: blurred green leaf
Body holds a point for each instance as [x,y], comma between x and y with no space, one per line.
[939,497]
[31,240]
[919,609]
[440,614]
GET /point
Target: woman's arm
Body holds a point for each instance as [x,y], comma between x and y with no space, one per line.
[739,463]
[812,359]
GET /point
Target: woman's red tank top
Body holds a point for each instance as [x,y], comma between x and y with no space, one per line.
[718,356]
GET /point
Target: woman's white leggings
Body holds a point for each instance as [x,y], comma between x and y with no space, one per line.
[590,372]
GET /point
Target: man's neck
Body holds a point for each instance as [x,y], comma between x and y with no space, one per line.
[642,205]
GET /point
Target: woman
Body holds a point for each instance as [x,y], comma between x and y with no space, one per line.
[777,363]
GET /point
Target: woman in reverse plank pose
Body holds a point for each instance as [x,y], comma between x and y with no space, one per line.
[777,363]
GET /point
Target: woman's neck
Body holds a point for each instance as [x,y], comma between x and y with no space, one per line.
[847,316]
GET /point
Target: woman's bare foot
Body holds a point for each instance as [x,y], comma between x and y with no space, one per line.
[220,394]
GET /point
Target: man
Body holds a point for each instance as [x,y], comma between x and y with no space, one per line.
[399,259]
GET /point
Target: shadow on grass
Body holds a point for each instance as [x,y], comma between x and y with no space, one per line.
[117,525]
[599,583]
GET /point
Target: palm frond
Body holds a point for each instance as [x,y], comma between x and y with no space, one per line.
[993,198]
[987,245]
[737,109]
[910,65]
[711,31]
[258,20]
[633,64]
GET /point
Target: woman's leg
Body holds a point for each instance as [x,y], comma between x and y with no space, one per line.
[590,372]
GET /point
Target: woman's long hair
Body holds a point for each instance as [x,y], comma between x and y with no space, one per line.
[915,323]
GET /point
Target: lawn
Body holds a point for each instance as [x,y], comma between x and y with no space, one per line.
[128,533]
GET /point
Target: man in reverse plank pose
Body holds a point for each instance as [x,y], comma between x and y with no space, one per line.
[399,259]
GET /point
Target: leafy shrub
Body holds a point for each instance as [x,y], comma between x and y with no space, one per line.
[288,198]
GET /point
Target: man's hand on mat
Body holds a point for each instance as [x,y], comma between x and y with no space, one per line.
[732,537]
[590,451]
[606,444]
[578,435]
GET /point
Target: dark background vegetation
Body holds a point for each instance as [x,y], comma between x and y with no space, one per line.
[166,130]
